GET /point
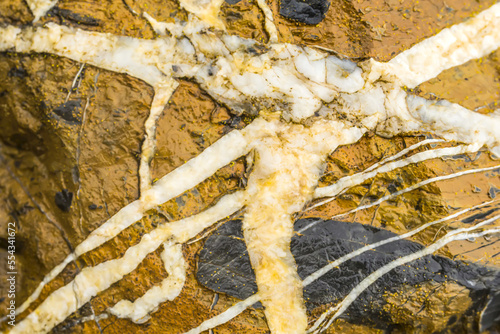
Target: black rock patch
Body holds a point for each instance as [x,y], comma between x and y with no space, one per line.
[17,72]
[224,266]
[232,2]
[69,111]
[478,216]
[63,200]
[75,17]
[491,315]
[304,11]
[493,191]
[216,269]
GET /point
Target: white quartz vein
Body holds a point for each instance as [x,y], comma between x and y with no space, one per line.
[288,86]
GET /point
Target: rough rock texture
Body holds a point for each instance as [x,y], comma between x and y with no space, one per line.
[224,266]
[308,12]
[63,134]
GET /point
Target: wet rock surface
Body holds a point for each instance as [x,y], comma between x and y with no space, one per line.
[224,266]
[47,147]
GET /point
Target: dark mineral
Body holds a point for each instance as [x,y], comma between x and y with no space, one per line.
[304,11]
[224,266]
[18,72]
[69,111]
[75,17]
[63,200]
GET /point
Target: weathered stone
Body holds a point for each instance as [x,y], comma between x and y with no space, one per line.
[224,267]
[38,153]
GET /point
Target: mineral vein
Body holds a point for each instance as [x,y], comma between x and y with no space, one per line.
[298,93]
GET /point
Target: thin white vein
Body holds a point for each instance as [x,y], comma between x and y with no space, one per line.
[317,274]
[269,21]
[163,92]
[350,181]
[403,191]
[139,310]
[459,234]
[241,306]
[225,316]
[73,84]
[219,154]
[403,152]
[115,53]
[84,286]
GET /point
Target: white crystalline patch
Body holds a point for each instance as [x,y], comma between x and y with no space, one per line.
[280,51]
[8,37]
[314,54]
[206,10]
[344,74]
[314,70]
[209,45]
[325,93]
[235,43]
[303,101]
[186,46]
[371,102]
[496,151]
[40,7]
[250,84]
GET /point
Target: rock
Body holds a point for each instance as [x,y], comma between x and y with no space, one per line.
[224,267]
[17,71]
[63,200]
[40,144]
[304,11]
[69,111]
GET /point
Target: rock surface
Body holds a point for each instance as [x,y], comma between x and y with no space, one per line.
[224,267]
[70,141]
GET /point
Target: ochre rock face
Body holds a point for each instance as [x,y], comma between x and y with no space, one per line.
[70,144]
